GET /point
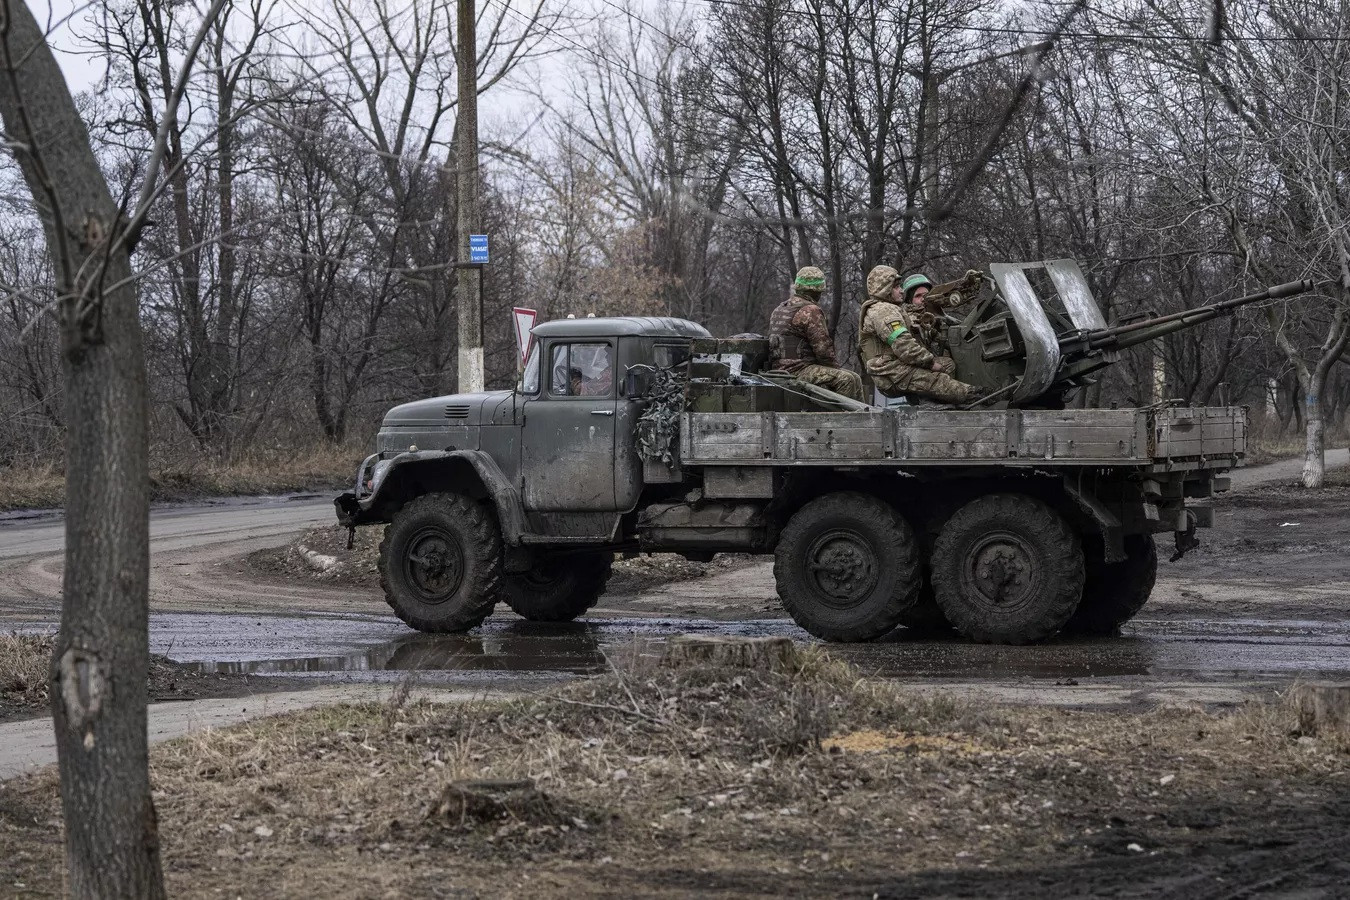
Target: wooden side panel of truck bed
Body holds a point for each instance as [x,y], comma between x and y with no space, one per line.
[1185,437]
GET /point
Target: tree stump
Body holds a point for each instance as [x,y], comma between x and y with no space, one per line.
[773,654]
[1322,708]
[473,802]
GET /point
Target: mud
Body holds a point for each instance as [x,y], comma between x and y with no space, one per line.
[169,681]
[357,565]
[1275,550]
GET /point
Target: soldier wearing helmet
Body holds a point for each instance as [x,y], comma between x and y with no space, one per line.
[897,339]
[800,342]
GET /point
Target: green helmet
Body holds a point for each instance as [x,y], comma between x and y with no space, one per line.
[914,282]
[810,278]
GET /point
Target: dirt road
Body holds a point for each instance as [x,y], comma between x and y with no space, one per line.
[1265,600]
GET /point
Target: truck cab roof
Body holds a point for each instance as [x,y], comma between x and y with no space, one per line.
[643,326]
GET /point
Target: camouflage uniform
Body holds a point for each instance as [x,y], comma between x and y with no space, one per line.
[895,342]
[800,342]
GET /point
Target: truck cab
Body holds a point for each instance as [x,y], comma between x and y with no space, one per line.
[577,463]
[561,439]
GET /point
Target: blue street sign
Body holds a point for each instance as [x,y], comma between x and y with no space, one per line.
[478,248]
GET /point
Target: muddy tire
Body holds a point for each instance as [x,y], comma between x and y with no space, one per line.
[558,589]
[1115,592]
[847,567]
[441,563]
[1007,569]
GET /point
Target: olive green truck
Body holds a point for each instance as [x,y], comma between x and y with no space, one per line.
[1009,522]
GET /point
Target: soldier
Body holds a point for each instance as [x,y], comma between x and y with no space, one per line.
[897,340]
[799,339]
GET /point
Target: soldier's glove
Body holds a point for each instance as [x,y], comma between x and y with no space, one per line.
[944,364]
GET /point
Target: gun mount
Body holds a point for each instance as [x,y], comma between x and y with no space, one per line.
[1033,354]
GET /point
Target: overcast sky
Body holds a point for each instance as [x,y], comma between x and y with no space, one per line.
[506,103]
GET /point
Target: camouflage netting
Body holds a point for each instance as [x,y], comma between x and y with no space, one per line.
[658,428]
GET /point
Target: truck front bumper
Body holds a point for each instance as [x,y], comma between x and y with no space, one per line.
[354,507]
[349,510]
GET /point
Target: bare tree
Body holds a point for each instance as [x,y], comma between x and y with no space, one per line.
[340,277]
[1278,88]
[99,667]
[389,69]
[202,295]
[640,117]
[30,365]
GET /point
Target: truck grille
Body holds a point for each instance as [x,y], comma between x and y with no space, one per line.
[457,411]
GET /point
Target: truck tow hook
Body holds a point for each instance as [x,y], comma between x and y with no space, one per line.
[351,536]
[1186,541]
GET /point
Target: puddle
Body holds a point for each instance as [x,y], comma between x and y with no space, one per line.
[566,649]
[363,647]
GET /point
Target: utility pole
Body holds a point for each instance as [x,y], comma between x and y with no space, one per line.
[469,214]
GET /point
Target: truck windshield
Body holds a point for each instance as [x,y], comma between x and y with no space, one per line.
[529,380]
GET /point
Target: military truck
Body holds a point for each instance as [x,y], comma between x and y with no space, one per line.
[1006,522]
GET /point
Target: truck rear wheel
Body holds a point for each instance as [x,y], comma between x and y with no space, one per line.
[558,588]
[1115,592]
[847,567]
[441,563]
[1007,569]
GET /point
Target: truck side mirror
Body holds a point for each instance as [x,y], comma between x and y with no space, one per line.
[636,382]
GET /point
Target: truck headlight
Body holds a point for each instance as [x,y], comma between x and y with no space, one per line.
[377,473]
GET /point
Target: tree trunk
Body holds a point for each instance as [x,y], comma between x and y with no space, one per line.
[101,657]
[1314,457]
[220,354]
[1314,453]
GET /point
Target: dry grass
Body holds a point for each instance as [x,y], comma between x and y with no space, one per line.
[34,486]
[192,476]
[1266,449]
[24,660]
[1266,444]
[676,782]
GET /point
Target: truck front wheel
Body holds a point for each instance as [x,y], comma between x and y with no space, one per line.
[1115,592]
[558,588]
[847,567]
[1007,569]
[441,563]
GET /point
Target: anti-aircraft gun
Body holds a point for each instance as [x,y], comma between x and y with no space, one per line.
[1029,352]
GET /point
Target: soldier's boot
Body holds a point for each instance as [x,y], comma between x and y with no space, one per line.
[941,387]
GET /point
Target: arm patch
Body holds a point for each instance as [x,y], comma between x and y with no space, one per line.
[896,329]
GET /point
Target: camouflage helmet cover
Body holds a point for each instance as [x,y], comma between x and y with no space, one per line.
[809,278]
[880,281]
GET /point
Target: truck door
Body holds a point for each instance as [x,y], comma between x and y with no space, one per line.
[567,441]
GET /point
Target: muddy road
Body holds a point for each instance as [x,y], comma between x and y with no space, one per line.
[1265,600]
